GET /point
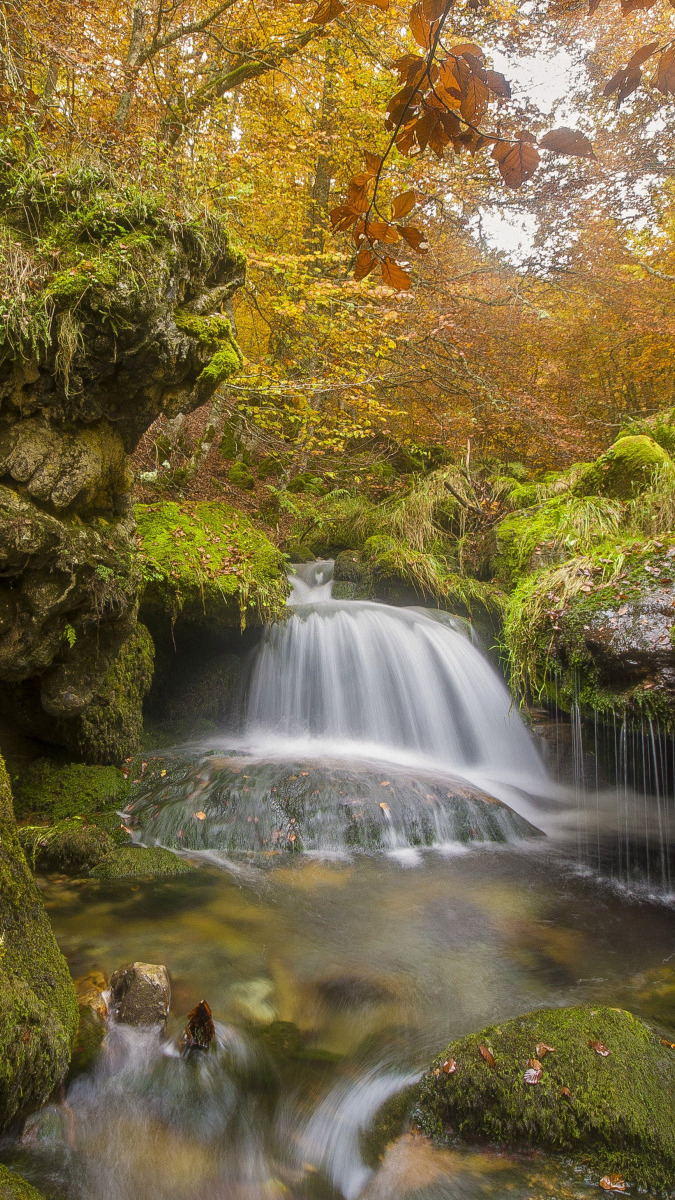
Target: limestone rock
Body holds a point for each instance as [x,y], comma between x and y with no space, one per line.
[140,994]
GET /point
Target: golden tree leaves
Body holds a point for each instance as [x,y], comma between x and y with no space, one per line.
[517,161]
[568,141]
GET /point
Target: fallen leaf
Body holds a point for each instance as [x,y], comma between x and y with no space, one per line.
[671,1045]
[534,1064]
[449,1066]
[613,1183]
[487,1055]
[201,816]
[533,1075]
[600,1048]
[543,1049]
[565,1091]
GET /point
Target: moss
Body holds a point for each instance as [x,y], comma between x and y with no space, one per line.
[110,728]
[240,476]
[213,332]
[13,1187]
[71,846]
[139,862]
[617,1116]
[207,564]
[38,1008]
[313,484]
[387,1125]
[48,789]
[523,495]
[623,471]
[403,575]
[551,532]
[225,362]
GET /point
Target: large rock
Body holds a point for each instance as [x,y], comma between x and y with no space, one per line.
[625,470]
[123,325]
[38,1008]
[140,994]
[606,1095]
[13,1187]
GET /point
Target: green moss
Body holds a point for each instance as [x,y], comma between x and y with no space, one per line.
[139,862]
[13,1187]
[660,427]
[623,471]
[38,1008]
[215,334]
[207,564]
[401,574]
[225,362]
[71,846]
[313,484]
[240,476]
[110,728]
[617,1116]
[44,788]
[552,531]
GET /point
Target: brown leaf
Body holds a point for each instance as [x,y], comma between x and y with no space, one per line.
[343,218]
[467,48]
[365,261]
[414,237]
[630,82]
[357,197]
[517,162]
[498,84]
[373,162]
[593,7]
[403,204]
[600,1048]
[665,1042]
[533,1075]
[613,83]
[394,276]
[642,55]
[629,6]
[487,1055]
[567,141]
[360,180]
[664,77]
[543,1049]
[475,100]
[565,1091]
[421,29]
[199,816]
[613,1183]
[434,9]
[327,11]
[449,1066]
[534,1064]
[382,231]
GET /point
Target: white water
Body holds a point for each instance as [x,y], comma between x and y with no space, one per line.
[406,686]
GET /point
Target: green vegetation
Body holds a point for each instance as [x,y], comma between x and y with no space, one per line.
[207,564]
[12,1187]
[612,1113]
[38,1008]
[44,788]
[139,862]
[71,846]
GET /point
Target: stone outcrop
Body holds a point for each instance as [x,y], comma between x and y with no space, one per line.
[123,324]
[38,1008]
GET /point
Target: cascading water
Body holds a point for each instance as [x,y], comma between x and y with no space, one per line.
[346,699]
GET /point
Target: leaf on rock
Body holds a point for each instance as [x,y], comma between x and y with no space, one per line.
[535,1064]
[449,1066]
[568,141]
[200,1029]
[533,1075]
[565,1091]
[487,1055]
[199,816]
[543,1049]
[665,1042]
[600,1048]
[613,1183]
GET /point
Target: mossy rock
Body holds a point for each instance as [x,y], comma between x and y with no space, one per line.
[38,1007]
[44,788]
[523,495]
[241,477]
[13,1187]
[297,553]
[306,482]
[70,846]
[206,565]
[612,1114]
[140,862]
[110,728]
[623,471]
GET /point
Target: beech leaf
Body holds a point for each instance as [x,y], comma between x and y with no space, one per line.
[487,1055]
[642,55]
[613,1183]
[414,237]
[449,1066]
[567,141]
[517,162]
[394,276]
[365,261]
[327,11]
[543,1049]
[403,204]
[600,1048]
[533,1075]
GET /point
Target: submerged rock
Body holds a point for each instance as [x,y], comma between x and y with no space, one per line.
[140,994]
[601,1089]
[38,1009]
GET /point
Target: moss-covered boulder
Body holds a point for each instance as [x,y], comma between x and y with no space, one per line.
[605,1096]
[597,631]
[206,566]
[623,471]
[660,426]
[140,862]
[71,846]
[552,531]
[44,788]
[38,1008]
[118,319]
[13,1187]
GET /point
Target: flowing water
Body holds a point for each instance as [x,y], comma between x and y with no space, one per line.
[372,879]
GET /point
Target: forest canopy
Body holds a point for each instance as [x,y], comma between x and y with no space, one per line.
[370,159]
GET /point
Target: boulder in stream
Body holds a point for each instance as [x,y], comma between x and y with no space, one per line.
[592,1083]
[140,994]
[13,1187]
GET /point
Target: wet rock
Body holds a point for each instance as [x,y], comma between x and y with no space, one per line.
[252,1000]
[200,1030]
[93,1012]
[140,994]
[13,1187]
[71,846]
[38,1009]
[611,1112]
[139,862]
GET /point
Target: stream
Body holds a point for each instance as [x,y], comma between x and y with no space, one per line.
[384,863]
